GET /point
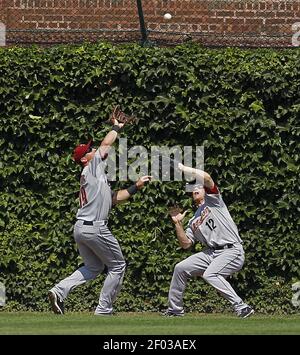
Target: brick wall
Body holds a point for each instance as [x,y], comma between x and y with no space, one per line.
[212,22]
[2,12]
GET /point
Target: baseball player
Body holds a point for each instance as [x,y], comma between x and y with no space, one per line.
[212,226]
[97,246]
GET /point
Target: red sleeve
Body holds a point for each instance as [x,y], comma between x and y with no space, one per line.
[214,190]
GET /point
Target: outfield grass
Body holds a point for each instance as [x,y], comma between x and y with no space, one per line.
[145,323]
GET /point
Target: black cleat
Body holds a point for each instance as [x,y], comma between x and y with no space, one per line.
[168,313]
[246,312]
[56,304]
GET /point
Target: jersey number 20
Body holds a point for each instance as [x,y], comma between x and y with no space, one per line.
[82,197]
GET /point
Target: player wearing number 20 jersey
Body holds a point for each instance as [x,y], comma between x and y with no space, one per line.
[97,246]
[95,193]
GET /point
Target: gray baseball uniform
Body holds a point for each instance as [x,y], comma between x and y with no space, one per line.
[97,246]
[212,226]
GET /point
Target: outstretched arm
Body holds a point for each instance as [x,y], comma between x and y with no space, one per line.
[110,138]
[123,195]
[183,240]
[198,174]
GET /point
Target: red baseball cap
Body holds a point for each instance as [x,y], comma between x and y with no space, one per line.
[80,151]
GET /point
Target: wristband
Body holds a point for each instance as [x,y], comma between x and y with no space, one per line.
[132,189]
[116,128]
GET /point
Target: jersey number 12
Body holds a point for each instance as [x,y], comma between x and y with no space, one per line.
[211,224]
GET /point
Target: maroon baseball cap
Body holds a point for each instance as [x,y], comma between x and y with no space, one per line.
[80,151]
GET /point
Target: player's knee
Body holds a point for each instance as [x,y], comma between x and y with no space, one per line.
[118,268]
[207,276]
[123,267]
[179,268]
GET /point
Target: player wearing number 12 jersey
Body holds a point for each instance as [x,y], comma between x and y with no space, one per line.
[223,255]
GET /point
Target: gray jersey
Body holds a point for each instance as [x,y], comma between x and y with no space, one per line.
[212,224]
[95,193]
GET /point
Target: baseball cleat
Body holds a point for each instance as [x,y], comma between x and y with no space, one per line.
[246,312]
[56,304]
[168,313]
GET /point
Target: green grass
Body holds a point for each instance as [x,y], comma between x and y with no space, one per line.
[145,323]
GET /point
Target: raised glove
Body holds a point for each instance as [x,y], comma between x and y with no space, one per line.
[121,117]
[174,211]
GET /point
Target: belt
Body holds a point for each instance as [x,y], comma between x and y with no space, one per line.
[226,246]
[96,223]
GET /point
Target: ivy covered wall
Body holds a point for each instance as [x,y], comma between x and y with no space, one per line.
[242,105]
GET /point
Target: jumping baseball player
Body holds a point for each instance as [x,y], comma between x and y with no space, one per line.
[212,226]
[97,246]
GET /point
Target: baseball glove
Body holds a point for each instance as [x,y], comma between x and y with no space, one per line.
[174,211]
[121,117]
